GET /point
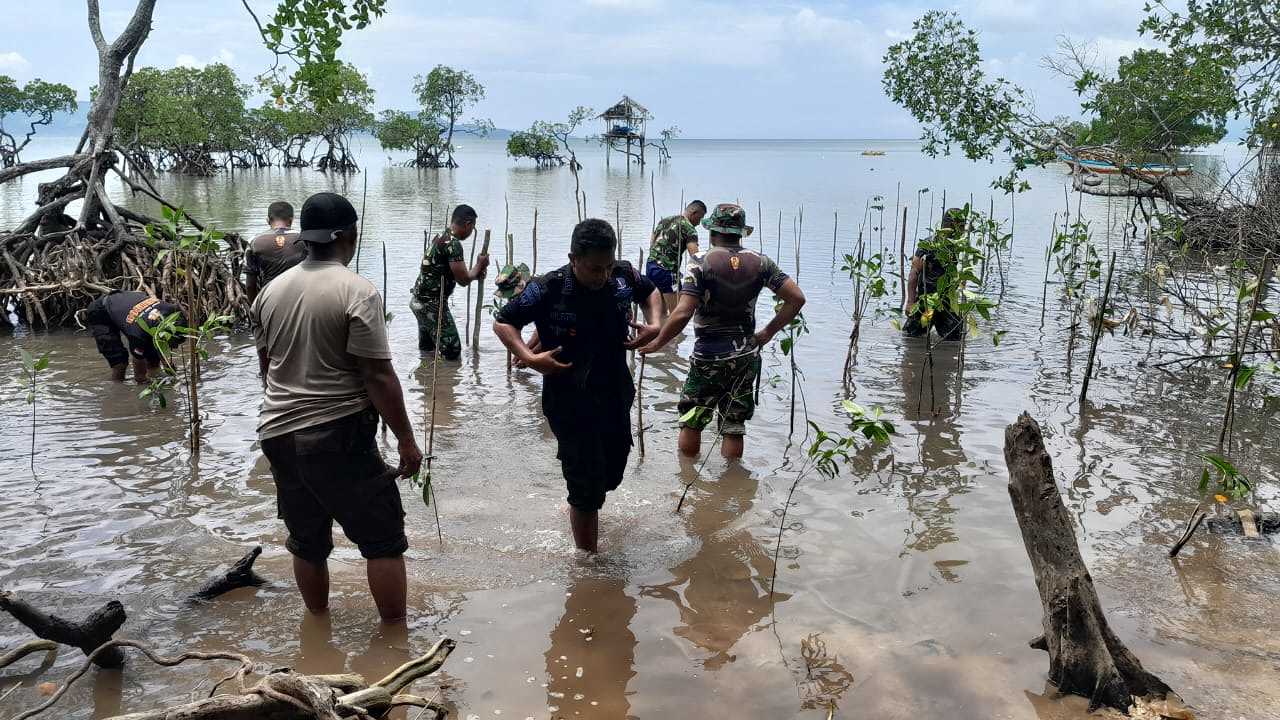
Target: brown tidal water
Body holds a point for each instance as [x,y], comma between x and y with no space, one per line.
[903,589]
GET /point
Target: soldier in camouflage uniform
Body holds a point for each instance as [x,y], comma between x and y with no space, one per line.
[444,267]
[719,294]
[672,237]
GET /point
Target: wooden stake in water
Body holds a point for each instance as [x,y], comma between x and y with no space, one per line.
[429,492]
[618,220]
[360,238]
[1097,330]
[902,260]
[778,255]
[640,406]
[534,269]
[466,334]
[506,225]
[653,198]
[799,233]
[1048,254]
[835,230]
[475,337]
[760,225]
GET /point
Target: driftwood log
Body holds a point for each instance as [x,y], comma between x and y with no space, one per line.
[240,575]
[280,694]
[1085,656]
[87,635]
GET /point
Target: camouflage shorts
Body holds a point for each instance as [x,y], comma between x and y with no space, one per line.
[450,343]
[725,386]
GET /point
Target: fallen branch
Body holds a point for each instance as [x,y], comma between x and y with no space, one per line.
[240,575]
[88,635]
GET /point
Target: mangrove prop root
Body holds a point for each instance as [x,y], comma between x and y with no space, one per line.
[88,635]
[1085,656]
[240,575]
[48,647]
[52,275]
[283,694]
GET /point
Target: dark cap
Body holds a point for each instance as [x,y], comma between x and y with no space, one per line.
[323,215]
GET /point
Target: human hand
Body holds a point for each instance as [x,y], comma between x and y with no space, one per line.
[410,458]
[652,347]
[547,364]
[645,334]
[482,264]
[762,338]
[535,347]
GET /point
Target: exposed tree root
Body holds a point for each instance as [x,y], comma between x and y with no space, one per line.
[240,575]
[88,635]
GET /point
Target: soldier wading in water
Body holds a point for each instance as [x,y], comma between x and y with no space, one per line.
[444,264]
[583,316]
[719,293]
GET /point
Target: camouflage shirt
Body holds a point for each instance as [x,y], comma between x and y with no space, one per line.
[727,280]
[445,249]
[670,238]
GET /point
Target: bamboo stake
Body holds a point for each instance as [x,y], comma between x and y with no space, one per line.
[902,259]
[475,337]
[778,254]
[640,405]
[506,225]
[653,198]
[470,263]
[360,237]
[618,220]
[534,269]
[760,225]
[430,491]
[1097,331]
[799,232]
[1048,255]
[835,230]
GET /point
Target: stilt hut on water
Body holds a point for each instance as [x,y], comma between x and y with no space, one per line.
[624,124]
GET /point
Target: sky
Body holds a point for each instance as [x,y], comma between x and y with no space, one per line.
[744,69]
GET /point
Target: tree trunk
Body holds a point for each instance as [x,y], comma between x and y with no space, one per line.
[88,634]
[1085,656]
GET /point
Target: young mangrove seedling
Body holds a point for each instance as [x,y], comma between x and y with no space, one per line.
[32,367]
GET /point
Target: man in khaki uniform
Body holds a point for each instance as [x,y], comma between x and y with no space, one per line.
[326,369]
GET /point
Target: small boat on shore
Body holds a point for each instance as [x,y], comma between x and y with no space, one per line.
[873,153]
[1106,167]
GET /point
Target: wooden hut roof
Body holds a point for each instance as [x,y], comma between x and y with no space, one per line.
[625,108]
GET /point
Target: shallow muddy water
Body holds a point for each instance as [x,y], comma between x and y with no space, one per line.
[903,589]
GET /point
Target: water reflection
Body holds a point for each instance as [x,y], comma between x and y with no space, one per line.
[723,590]
[930,384]
[592,653]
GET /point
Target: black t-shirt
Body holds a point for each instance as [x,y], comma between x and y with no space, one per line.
[272,253]
[125,308]
[590,327]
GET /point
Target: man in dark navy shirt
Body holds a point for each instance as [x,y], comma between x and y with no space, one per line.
[583,317]
[120,312]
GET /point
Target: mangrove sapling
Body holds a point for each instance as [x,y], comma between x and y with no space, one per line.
[867,276]
[791,334]
[421,480]
[828,451]
[32,367]
[475,337]
[471,262]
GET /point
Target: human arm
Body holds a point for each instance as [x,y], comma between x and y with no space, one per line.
[691,246]
[676,322]
[251,273]
[913,282]
[465,277]
[544,362]
[651,305]
[264,361]
[383,387]
[792,300]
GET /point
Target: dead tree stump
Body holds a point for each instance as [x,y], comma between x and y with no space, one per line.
[88,634]
[1085,656]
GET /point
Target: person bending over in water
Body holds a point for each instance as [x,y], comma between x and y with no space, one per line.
[123,312]
[928,268]
[583,316]
[274,251]
[444,265]
[672,238]
[719,293]
[327,375]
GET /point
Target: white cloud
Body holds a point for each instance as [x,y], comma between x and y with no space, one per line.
[224,56]
[13,61]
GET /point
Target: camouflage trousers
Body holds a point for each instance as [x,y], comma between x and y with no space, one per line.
[722,387]
[450,343]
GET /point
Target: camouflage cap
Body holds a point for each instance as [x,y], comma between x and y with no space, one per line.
[728,219]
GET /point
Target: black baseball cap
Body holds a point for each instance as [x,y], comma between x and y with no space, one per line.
[323,215]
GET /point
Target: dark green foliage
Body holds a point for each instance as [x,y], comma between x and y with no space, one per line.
[35,105]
